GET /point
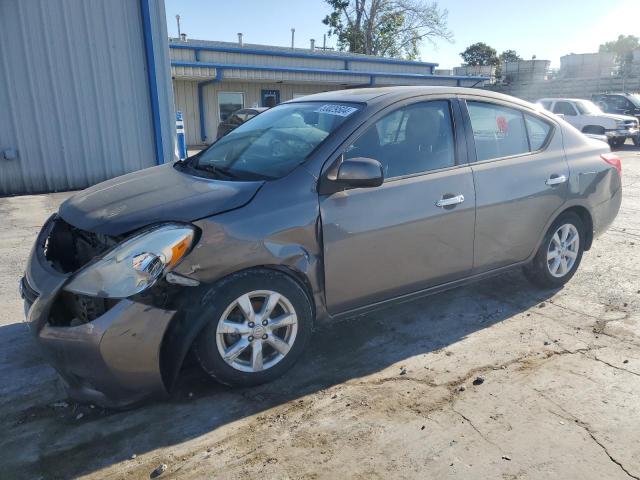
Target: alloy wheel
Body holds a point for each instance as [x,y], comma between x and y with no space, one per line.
[256,331]
[563,249]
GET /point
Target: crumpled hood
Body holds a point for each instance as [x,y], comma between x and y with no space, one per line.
[156,194]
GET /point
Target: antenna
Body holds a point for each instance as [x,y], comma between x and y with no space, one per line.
[293,36]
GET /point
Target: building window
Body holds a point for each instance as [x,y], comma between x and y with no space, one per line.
[229,102]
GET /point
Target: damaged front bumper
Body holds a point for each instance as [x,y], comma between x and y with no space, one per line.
[114,360]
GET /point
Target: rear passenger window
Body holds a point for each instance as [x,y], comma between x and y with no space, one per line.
[538,131]
[408,141]
[498,131]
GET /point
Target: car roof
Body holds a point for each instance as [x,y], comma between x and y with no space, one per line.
[391,94]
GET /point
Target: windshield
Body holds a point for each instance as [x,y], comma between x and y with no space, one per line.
[635,99]
[585,107]
[273,143]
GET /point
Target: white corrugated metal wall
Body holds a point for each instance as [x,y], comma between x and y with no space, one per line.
[75,94]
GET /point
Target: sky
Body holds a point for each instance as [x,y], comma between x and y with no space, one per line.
[545,28]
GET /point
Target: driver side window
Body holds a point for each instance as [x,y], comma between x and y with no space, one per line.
[409,141]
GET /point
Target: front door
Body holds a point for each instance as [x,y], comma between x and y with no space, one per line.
[521,179]
[416,229]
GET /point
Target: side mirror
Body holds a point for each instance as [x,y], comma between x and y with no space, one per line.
[360,172]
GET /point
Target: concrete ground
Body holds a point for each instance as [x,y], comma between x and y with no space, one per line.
[495,380]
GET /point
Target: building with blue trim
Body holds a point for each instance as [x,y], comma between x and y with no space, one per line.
[88,93]
[212,79]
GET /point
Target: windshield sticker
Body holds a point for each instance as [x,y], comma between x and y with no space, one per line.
[340,110]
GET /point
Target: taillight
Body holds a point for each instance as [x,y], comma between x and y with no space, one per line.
[613,160]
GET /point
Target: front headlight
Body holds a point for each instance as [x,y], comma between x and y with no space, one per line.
[135,264]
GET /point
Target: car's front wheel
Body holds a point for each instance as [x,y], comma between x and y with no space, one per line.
[636,140]
[260,322]
[560,254]
[617,142]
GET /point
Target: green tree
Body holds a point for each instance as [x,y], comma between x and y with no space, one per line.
[623,47]
[480,54]
[509,56]
[504,57]
[389,28]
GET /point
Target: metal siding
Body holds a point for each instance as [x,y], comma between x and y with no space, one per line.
[311,77]
[389,68]
[186,101]
[73,78]
[444,81]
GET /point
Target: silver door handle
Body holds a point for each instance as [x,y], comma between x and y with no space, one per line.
[556,180]
[445,202]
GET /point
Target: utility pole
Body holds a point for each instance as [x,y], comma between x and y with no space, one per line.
[178,22]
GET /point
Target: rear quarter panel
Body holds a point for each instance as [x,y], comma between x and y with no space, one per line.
[593,183]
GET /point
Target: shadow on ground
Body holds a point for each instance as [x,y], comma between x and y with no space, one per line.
[41,440]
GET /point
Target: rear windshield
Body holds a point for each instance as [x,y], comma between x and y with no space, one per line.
[272,144]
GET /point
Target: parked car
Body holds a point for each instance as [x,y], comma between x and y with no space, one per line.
[620,103]
[319,208]
[237,118]
[588,118]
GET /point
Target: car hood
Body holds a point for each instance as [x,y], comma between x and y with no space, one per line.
[613,116]
[156,194]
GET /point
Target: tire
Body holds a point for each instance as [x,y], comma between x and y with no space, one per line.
[618,142]
[636,140]
[265,354]
[540,271]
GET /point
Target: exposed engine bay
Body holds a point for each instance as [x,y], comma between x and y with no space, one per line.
[68,249]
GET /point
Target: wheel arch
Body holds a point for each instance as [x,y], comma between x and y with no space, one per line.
[593,129]
[587,221]
[186,324]
[585,215]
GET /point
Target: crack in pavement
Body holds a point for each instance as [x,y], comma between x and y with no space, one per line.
[584,426]
[595,358]
[482,435]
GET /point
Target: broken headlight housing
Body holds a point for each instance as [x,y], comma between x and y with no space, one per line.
[136,264]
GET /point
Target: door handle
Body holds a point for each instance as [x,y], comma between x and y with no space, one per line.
[557,180]
[445,202]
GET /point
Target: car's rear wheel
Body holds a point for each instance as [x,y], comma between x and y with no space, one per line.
[560,254]
[260,323]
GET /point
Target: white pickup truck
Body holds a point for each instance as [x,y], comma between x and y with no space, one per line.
[587,117]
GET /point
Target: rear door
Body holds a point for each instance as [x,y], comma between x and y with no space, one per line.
[521,178]
[401,237]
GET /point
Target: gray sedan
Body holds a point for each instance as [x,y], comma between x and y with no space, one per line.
[323,207]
